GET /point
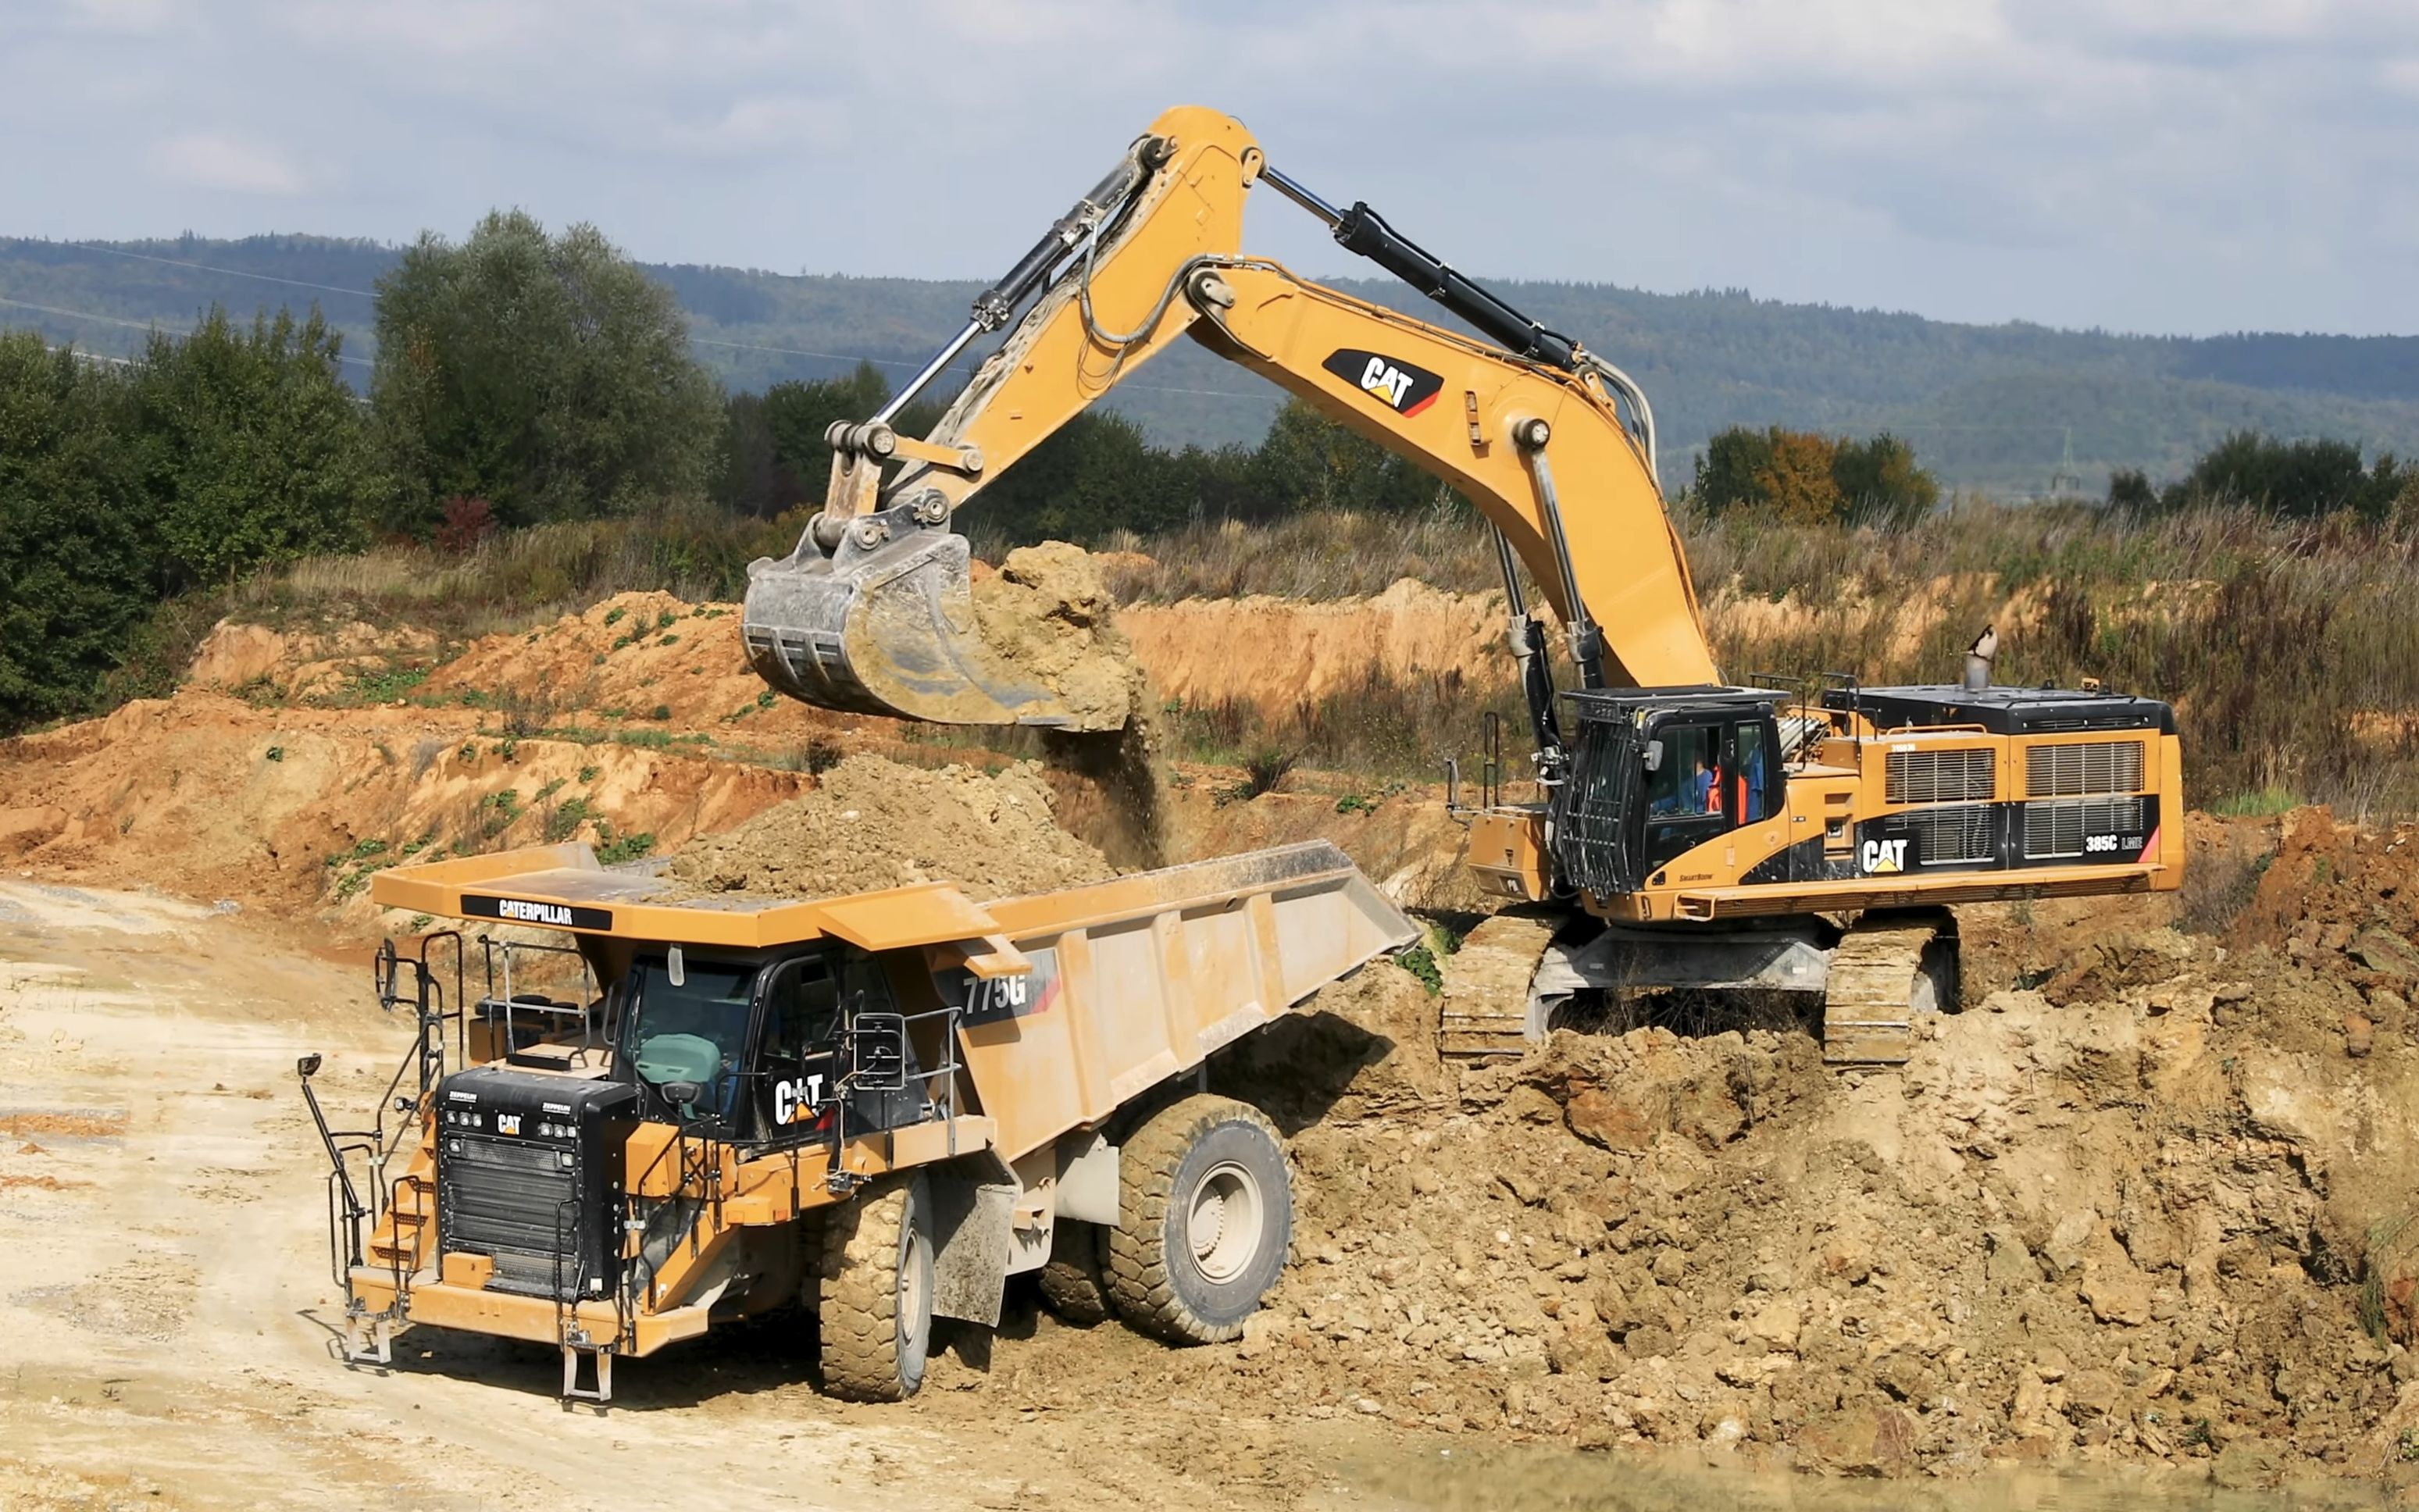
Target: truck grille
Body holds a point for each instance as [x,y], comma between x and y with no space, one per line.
[1938,776]
[517,1203]
[2077,770]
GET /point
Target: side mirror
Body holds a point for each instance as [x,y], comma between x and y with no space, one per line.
[1652,755]
[877,1053]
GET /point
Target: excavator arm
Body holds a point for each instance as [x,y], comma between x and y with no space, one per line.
[874,612]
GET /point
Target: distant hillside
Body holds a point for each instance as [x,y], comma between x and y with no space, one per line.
[1987,406]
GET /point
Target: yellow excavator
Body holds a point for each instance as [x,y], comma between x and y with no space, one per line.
[1689,834]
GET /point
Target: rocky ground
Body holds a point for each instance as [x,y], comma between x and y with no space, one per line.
[2146,1202]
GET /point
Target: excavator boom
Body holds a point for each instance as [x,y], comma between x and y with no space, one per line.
[874,612]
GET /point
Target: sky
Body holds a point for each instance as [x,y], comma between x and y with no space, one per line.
[2179,166]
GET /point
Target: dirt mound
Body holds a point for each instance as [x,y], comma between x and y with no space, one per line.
[294,807]
[1277,653]
[300,664]
[2168,1221]
[871,823]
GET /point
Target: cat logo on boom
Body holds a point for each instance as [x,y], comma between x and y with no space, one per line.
[1400,386]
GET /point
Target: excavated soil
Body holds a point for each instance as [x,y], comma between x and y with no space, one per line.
[1046,612]
[2158,1208]
[871,823]
[2149,1200]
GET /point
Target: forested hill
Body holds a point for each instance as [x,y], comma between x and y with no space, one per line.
[1987,406]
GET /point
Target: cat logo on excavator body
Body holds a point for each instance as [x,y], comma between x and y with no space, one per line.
[1402,387]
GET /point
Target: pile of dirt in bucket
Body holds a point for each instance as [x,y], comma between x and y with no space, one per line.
[1046,612]
[871,823]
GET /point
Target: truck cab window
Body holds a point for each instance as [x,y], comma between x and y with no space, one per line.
[797,1058]
[690,1038]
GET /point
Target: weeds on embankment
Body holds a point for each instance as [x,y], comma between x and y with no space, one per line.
[2288,647]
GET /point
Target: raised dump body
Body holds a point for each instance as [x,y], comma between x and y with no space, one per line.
[879,1107]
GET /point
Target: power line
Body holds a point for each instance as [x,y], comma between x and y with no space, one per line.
[132,325]
[81,315]
[90,357]
[231,272]
[701,341]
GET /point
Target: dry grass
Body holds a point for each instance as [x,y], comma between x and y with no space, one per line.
[524,577]
[1323,556]
[2286,647]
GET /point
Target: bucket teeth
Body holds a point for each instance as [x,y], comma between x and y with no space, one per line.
[886,624]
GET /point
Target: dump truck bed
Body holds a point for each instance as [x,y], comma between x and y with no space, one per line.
[1067,1003]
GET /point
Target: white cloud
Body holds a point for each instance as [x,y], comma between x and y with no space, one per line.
[2176,165]
[207,160]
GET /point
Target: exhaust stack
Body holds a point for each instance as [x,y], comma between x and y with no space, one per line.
[1979,657]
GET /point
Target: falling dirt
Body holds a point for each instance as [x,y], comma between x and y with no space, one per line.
[870,823]
[1046,613]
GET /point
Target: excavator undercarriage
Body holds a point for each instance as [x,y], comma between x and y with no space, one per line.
[1521,974]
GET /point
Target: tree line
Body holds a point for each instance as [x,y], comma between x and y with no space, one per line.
[2297,479]
[523,377]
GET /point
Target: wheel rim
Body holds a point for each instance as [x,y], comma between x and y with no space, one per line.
[913,1274]
[1225,1220]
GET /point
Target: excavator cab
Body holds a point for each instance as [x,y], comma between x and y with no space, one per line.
[1653,775]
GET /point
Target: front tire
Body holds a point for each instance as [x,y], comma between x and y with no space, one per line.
[1204,1220]
[875,1292]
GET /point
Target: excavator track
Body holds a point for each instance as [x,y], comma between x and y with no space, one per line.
[1877,986]
[1484,1009]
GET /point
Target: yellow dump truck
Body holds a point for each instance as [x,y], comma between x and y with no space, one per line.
[878,1108]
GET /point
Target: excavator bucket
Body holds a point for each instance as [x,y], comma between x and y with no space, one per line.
[886,624]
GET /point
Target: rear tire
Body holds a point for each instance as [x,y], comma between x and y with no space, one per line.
[875,1292]
[1204,1220]
[1074,1282]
